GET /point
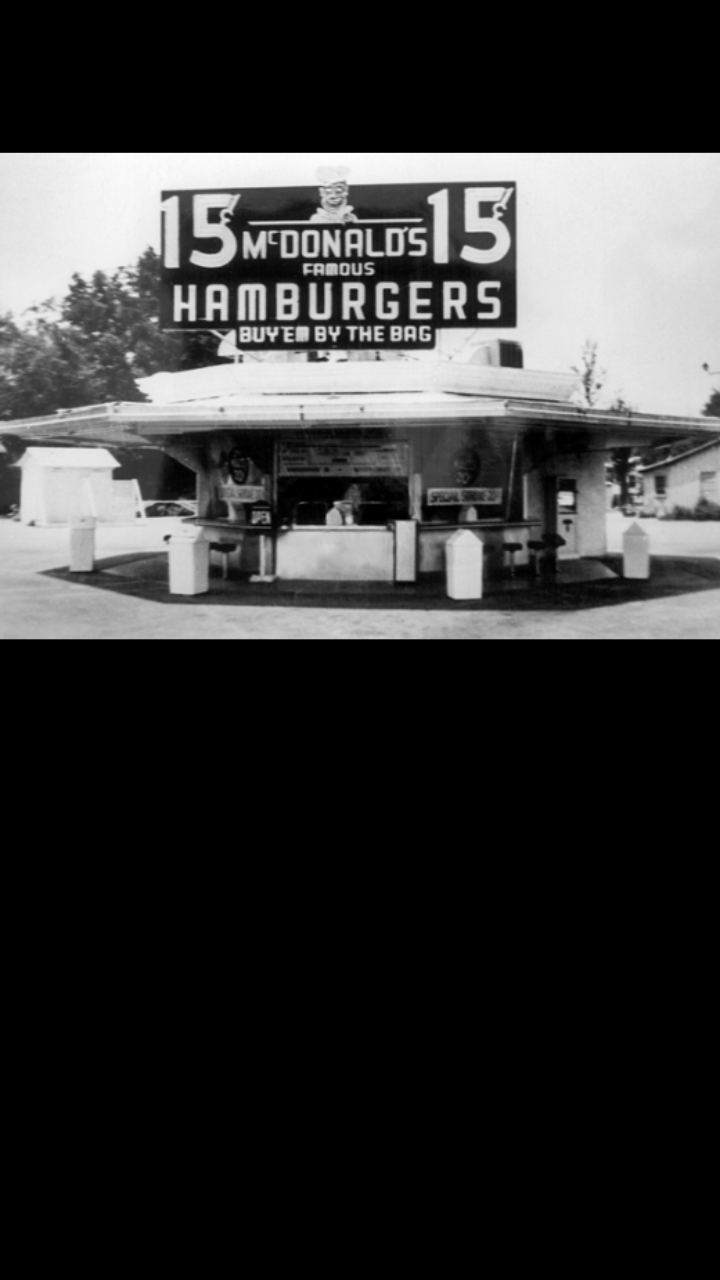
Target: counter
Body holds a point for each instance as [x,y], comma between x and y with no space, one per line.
[353,553]
[362,553]
[494,533]
[253,541]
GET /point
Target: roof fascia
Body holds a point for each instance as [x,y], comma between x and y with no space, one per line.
[670,462]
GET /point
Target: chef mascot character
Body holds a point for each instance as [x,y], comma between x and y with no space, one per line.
[334,192]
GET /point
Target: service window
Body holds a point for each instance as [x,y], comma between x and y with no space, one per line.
[709,486]
[354,478]
[661,486]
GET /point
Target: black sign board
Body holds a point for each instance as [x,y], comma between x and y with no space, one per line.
[342,267]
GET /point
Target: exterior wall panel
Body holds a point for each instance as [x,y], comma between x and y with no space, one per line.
[683,481]
[589,471]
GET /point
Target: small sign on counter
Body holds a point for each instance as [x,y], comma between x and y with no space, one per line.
[241,493]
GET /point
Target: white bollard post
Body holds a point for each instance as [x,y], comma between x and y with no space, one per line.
[636,553]
[264,575]
[82,544]
[464,559]
[189,562]
[406,542]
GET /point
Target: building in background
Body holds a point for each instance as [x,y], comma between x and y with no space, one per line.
[684,481]
[59,485]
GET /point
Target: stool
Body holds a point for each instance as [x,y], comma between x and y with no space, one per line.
[535,547]
[225,549]
[511,549]
[553,542]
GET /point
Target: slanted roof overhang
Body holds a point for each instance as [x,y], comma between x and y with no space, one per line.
[682,457]
[151,424]
[620,429]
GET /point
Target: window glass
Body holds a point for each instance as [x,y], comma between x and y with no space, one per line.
[358,477]
[477,471]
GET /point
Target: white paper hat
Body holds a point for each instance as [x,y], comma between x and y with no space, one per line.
[327,177]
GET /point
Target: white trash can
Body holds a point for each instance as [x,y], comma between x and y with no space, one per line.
[406,548]
[189,562]
[464,562]
[636,553]
[82,544]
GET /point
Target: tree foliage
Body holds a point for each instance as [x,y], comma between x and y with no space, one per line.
[592,380]
[712,408]
[592,377]
[90,348]
[622,466]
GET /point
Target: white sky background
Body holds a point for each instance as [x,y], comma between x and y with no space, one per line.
[621,248]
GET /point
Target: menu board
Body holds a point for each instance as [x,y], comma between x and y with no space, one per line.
[358,458]
[465,497]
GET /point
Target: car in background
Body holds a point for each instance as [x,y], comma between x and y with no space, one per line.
[162,508]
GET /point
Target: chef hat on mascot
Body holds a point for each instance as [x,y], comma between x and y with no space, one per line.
[329,177]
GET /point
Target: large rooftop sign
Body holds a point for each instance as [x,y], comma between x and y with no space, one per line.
[339,266]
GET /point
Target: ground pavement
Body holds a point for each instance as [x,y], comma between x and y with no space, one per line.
[128,599]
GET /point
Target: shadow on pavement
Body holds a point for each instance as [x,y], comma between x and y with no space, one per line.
[145,577]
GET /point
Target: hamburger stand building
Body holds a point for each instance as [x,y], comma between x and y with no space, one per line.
[339,444]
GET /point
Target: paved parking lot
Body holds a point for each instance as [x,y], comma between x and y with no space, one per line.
[128,599]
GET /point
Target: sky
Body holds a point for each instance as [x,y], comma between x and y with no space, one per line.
[619,248]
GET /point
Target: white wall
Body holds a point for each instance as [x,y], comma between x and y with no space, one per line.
[589,471]
[55,495]
[683,481]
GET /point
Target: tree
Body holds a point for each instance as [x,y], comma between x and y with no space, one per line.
[90,348]
[712,408]
[593,379]
[126,307]
[52,367]
[591,376]
[622,467]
